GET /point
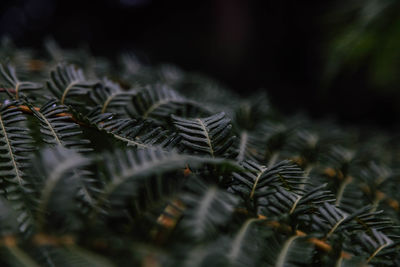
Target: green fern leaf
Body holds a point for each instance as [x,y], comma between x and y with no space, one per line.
[159,102]
[247,243]
[61,174]
[20,87]
[281,202]
[111,97]
[68,84]
[284,251]
[206,209]
[15,145]
[211,135]
[258,181]
[57,128]
[136,133]
[248,148]
[376,247]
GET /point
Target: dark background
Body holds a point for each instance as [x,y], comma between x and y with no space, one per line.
[277,45]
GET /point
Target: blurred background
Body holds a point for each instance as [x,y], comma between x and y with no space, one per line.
[326,58]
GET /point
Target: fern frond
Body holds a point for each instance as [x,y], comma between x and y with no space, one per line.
[281,202]
[15,145]
[207,208]
[376,247]
[211,135]
[284,251]
[246,244]
[127,172]
[136,133]
[258,180]
[57,129]
[61,173]
[349,197]
[20,88]
[330,220]
[68,84]
[159,102]
[249,147]
[111,97]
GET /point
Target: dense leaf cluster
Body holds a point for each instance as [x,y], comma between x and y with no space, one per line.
[122,164]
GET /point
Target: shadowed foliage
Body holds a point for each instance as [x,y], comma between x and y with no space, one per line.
[178,171]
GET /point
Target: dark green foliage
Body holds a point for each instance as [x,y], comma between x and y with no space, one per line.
[15,147]
[288,251]
[206,209]
[68,84]
[211,135]
[10,77]
[57,128]
[257,181]
[110,97]
[135,132]
[158,102]
[178,171]
[60,173]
